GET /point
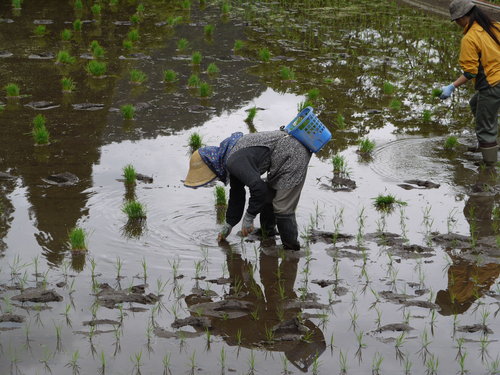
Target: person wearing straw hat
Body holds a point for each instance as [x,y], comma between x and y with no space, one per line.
[480,61]
[241,160]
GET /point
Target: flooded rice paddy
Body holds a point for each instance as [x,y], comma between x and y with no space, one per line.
[412,289]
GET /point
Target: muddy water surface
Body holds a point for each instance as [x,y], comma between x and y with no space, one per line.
[413,290]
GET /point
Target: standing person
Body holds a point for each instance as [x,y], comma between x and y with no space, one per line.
[480,61]
[241,160]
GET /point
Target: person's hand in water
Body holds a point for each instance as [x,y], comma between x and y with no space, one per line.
[247,224]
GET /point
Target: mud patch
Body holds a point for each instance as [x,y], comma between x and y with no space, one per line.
[226,309]
[109,297]
[395,327]
[338,183]
[88,106]
[418,184]
[61,179]
[42,105]
[193,321]
[38,295]
[42,56]
[163,333]
[97,322]
[327,237]
[12,318]
[475,328]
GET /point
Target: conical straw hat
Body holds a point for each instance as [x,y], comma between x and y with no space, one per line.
[199,173]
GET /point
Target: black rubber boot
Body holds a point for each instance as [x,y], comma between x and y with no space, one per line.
[287,227]
[490,155]
[267,222]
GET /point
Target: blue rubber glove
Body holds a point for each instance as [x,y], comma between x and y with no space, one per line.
[447,91]
[247,224]
[226,229]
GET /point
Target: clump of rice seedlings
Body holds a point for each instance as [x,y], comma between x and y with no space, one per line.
[96,10]
[226,8]
[287,74]
[340,121]
[127,44]
[251,115]
[212,69]
[395,104]
[96,68]
[135,210]
[304,104]
[436,93]
[66,34]
[388,88]
[339,165]
[196,58]
[313,95]
[195,141]
[12,90]
[39,121]
[220,196]
[64,57]
[96,49]
[451,142]
[40,133]
[40,30]
[135,18]
[140,9]
[130,174]
[78,5]
[205,90]
[16,4]
[77,25]
[265,54]
[238,45]
[182,44]
[209,30]
[186,4]
[77,239]
[127,111]
[137,77]
[366,146]
[426,115]
[113,3]
[173,21]
[133,35]
[194,81]
[386,202]
[169,76]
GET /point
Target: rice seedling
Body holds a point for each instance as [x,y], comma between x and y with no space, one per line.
[426,115]
[313,95]
[77,238]
[432,365]
[97,51]
[287,74]
[251,115]
[226,8]
[182,44]
[451,143]
[196,58]
[186,4]
[40,135]
[251,362]
[343,362]
[68,85]
[205,90]
[339,165]
[220,196]
[64,57]
[39,121]
[386,203]
[366,146]
[195,141]
[66,34]
[388,88]
[77,25]
[436,93]
[135,18]
[166,363]
[137,361]
[395,104]
[137,77]
[73,363]
[130,174]
[212,69]
[134,210]
[169,76]
[78,5]
[377,363]
[265,54]
[96,68]
[16,4]
[127,111]
[193,81]
[173,21]
[238,45]
[208,30]
[133,35]
[127,45]
[96,10]
[40,30]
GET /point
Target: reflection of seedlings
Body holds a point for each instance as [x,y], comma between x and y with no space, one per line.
[238,45]
[251,115]
[376,363]
[196,58]
[169,76]
[182,44]
[436,92]
[96,68]
[426,115]
[66,34]
[287,73]
[451,142]
[127,111]
[388,88]
[461,363]
[395,104]
[130,174]
[64,57]
[212,69]
[366,146]
[12,90]
[135,210]
[137,77]
[386,202]
[340,121]
[77,239]
[40,30]
[265,54]
[77,25]
[193,81]
[195,141]
[205,90]
[408,365]
[68,85]
[209,30]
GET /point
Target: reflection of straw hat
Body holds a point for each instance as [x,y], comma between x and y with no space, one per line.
[199,173]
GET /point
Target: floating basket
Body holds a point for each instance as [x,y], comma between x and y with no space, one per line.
[309,130]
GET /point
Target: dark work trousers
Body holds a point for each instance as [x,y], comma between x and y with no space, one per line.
[485,104]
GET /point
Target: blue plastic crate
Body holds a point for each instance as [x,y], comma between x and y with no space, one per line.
[309,130]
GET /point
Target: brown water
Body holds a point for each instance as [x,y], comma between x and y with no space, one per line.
[347,50]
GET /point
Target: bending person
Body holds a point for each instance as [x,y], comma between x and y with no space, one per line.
[480,61]
[241,160]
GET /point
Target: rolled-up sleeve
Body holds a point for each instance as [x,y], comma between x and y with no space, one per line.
[469,57]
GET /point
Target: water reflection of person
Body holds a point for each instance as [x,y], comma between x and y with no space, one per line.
[468,281]
[254,313]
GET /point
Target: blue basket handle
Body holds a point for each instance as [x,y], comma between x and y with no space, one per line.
[304,113]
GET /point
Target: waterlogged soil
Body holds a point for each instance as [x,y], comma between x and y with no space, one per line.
[411,289]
